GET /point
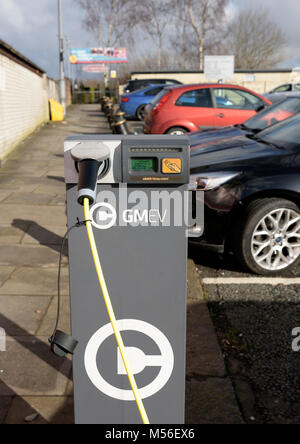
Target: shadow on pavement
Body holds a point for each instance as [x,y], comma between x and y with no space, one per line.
[58,178]
[42,235]
[37,347]
[215,261]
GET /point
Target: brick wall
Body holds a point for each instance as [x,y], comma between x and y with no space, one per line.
[24,94]
[23,102]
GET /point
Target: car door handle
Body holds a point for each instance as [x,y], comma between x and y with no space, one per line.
[220,115]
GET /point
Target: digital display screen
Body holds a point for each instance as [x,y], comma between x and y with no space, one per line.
[143,164]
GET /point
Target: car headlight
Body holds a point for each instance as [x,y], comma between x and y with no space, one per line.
[210,181]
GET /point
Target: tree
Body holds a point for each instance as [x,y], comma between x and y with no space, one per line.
[206,18]
[255,40]
[110,21]
[155,18]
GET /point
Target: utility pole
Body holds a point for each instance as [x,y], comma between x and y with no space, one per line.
[68,46]
[62,85]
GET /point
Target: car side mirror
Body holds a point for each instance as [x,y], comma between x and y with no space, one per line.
[260,108]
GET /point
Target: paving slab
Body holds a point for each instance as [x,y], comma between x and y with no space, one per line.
[30,369]
[36,281]
[41,214]
[59,200]
[204,356]
[211,401]
[50,410]
[44,235]
[5,272]
[25,170]
[12,235]
[5,193]
[53,186]
[194,287]
[48,322]
[23,255]
[5,403]
[18,322]
[28,198]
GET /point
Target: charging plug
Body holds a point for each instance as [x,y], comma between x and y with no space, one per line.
[90,156]
[62,344]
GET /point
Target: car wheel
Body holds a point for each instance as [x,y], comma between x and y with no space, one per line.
[269,241]
[176,131]
[140,112]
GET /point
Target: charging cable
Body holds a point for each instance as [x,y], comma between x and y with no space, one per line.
[111,314]
[61,343]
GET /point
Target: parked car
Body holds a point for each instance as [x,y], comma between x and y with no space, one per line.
[134,85]
[265,118]
[277,97]
[181,109]
[252,196]
[133,104]
[286,88]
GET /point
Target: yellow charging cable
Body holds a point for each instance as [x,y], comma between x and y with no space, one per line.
[111,313]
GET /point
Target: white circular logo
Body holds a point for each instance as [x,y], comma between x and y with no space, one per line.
[137,358]
[103,216]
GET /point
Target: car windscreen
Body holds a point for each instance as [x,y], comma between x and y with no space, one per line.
[283,134]
[159,96]
[273,114]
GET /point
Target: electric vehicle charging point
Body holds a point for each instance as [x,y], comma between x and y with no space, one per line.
[136,188]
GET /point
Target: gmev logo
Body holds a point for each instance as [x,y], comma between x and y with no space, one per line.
[2,340]
[296,341]
[159,208]
[137,358]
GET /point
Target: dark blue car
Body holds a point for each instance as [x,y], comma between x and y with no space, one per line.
[133,104]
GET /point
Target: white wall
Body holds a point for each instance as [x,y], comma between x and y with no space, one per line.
[23,103]
[260,82]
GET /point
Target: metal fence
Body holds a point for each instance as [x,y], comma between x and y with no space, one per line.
[93,96]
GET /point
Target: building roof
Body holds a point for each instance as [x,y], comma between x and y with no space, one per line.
[237,71]
[19,58]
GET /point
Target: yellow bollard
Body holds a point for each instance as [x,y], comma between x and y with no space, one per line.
[56,111]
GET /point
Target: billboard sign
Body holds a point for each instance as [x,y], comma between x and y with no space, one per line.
[219,67]
[98,55]
[95,68]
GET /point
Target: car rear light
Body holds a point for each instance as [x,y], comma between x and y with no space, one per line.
[160,104]
[125,99]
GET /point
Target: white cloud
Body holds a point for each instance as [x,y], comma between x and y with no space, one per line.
[12,15]
[22,16]
[231,11]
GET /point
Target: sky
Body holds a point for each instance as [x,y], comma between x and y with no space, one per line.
[30,26]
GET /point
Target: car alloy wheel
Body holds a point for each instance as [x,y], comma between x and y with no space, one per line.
[176,131]
[275,241]
[141,112]
[266,236]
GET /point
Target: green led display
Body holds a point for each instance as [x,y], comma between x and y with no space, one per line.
[143,164]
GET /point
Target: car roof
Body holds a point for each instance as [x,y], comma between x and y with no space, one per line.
[208,85]
[146,88]
[151,80]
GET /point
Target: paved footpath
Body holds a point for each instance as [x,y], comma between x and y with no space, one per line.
[32,223]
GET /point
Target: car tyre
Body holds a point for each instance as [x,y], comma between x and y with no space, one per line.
[140,112]
[268,235]
[177,131]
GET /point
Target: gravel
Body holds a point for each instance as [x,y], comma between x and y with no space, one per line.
[254,324]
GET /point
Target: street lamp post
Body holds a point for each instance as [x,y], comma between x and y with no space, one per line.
[62,85]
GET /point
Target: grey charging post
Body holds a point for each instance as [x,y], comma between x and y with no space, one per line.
[137,187]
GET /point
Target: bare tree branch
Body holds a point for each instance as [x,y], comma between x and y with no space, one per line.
[156,18]
[256,40]
[110,21]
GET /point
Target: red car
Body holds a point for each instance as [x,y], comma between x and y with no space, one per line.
[185,108]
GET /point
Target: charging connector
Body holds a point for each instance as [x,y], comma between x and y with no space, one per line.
[92,160]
